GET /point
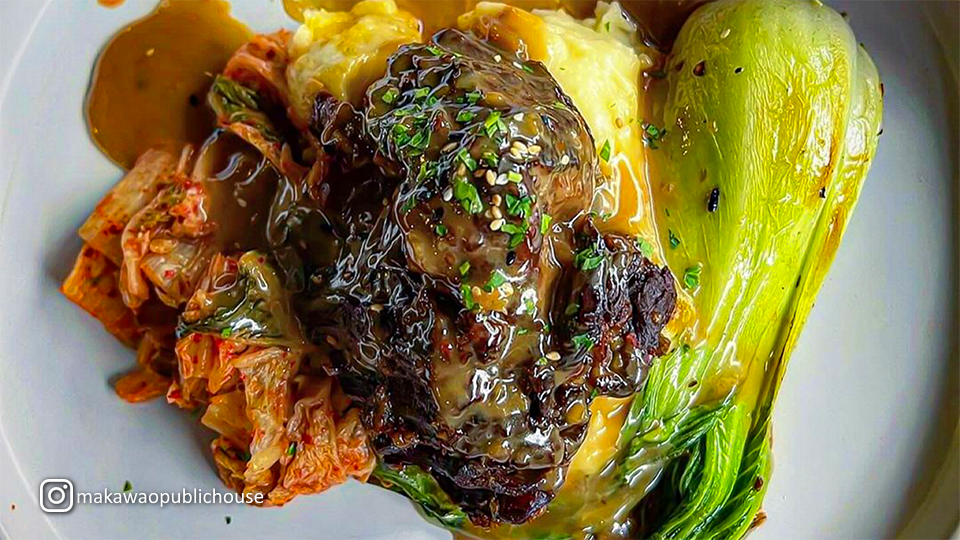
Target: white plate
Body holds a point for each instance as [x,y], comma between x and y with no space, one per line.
[865,419]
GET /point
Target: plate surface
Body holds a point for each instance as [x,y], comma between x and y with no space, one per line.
[867,417]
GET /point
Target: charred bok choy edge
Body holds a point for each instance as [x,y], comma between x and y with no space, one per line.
[773,111]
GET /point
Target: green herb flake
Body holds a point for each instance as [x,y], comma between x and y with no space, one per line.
[464,156]
[559,105]
[545,220]
[515,177]
[441,229]
[390,96]
[421,93]
[496,280]
[491,159]
[474,97]
[691,277]
[646,248]
[587,259]
[409,204]
[519,206]
[493,124]
[468,301]
[434,50]
[593,394]
[542,361]
[464,268]
[607,26]
[572,309]
[465,116]
[583,342]
[467,194]
[292,449]
[526,68]
[226,332]
[605,150]
[127,486]
[674,241]
[522,331]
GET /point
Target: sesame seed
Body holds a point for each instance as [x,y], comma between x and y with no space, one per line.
[496,199]
[502,179]
[497,58]
[496,212]
[619,122]
[519,145]
[448,147]
[487,214]
[476,291]
[376,308]
[496,224]
[332,341]
[507,289]
[491,177]
[478,173]
[534,149]
[462,170]
[564,159]
[448,194]
[514,152]
[553,356]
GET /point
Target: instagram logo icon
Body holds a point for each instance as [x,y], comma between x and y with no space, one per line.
[56,495]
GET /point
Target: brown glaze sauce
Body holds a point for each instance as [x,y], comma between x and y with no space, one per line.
[150,83]
[149,91]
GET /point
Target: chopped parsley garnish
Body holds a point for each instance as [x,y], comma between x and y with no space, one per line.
[587,258]
[427,169]
[607,26]
[434,50]
[594,393]
[605,150]
[515,177]
[464,268]
[582,342]
[465,116]
[464,156]
[522,331]
[674,241]
[474,97]
[390,96]
[494,124]
[516,232]
[519,206]
[542,361]
[646,248]
[652,134]
[292,449]
[490,158]
[409,204]
[226,332]
[526,68]
[572,309]
[420,141]
[559,105]
[127,486]
[420,93]
[545,220]
[691,277]
[467,194]
[468,301]
[441,229]
[400,134]
[496,280]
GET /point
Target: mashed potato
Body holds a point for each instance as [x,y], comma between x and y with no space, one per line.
[598,63]
[343,52]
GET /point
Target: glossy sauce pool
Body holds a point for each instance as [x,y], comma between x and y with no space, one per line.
[150,83]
